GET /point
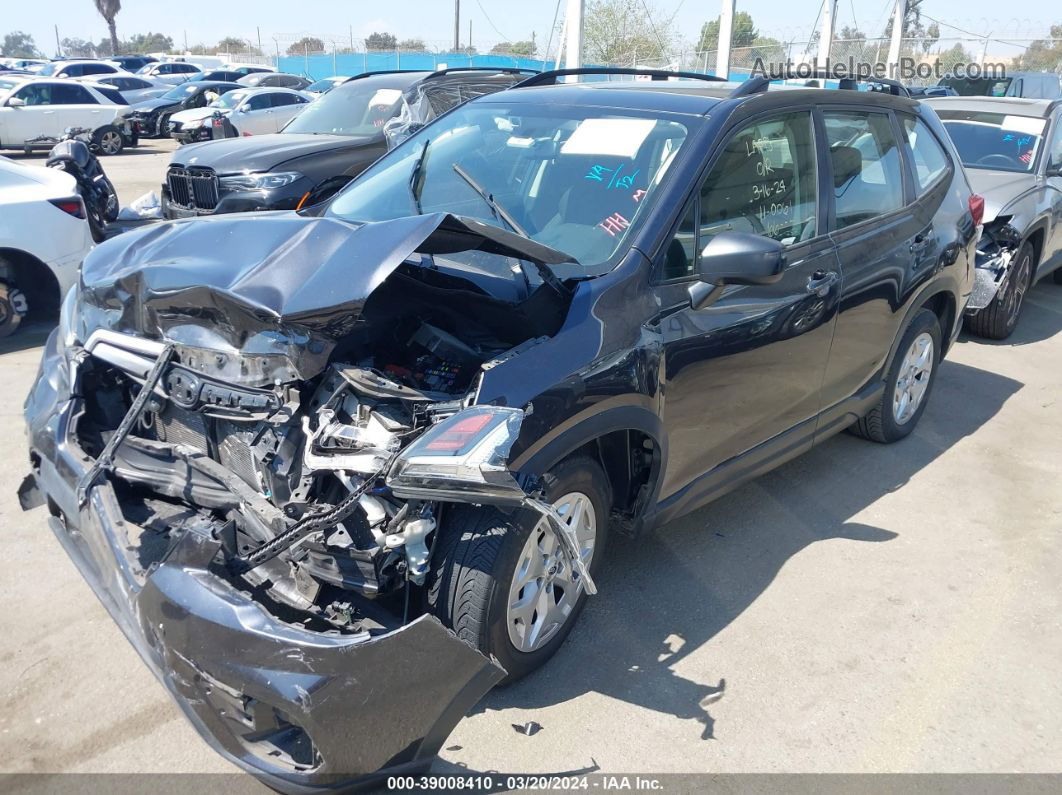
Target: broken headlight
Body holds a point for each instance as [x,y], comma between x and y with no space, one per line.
[463,458]
[266,181]
[67,333]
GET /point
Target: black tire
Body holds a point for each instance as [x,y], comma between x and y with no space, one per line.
[880,423]
[163,128]
[97,222]
[13,307]
[113,206]
[475,560]
[108,140]
[998,320]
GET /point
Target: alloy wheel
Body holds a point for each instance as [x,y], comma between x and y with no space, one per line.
[111,142]
[912,382]
[544,589]
[1017,286]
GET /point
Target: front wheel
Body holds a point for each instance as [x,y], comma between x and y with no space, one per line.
[907,384]
[108,140]
[13,307]
[998,320]
[501,581]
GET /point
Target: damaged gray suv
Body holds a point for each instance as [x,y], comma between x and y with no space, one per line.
[336,473]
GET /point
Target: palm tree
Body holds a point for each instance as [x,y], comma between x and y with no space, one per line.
[109,10]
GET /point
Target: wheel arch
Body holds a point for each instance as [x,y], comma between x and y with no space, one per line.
[630,444]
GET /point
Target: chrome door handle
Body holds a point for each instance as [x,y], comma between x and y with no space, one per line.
[821,282]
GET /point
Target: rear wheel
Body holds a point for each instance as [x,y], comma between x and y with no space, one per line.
[998,320]
[13,307]
[502,583]
[907,384]
[108,140]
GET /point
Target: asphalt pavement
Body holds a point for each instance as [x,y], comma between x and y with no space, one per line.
[864,608]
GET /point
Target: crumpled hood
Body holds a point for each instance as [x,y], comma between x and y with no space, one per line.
[999,188]
[185,116]
[148,105]
[267,283]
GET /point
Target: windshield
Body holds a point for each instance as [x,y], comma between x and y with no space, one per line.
[994,140]
[574,178]
[48,69]
[229,100]
[352,109]
[977,87]
[6,84]
[180,92]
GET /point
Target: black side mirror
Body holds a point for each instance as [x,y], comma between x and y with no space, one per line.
[735,258]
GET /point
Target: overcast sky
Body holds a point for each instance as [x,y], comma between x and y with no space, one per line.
[206,21]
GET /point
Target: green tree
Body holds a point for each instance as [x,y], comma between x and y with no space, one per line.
[232,44]
[915,35]
[1043,55]
[109,10]
[77,48]
[147,42]
[412,45]
[528,49]
[851,34]
[744,33]
[17,44]
[624,31]
[381,41]
[306,44]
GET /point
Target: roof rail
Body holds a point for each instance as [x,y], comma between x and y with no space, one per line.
[510,70]
[759,83]
[383,72]
[550,78]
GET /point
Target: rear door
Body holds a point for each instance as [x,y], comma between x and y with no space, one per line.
[255,115]
[285,108]
[76,107]
[743,371]
[886,242]
[1053,190]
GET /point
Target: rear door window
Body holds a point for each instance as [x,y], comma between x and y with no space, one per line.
[865,163]
[928,157]
[72,94]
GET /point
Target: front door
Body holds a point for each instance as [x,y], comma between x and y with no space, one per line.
[748,368]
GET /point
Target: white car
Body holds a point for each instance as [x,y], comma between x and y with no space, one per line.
[251,111]
[34,113]
[132,88]
[24,63]
[44,235]
[172,72]
[78,69]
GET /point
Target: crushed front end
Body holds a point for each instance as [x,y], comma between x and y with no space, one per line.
[996,249]
[222,476]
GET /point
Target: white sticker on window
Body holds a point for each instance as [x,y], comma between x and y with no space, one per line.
[615,137]
[385,96]
[1024,124]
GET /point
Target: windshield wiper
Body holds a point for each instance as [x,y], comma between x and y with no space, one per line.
[497,209]
[544,270]
[416,184]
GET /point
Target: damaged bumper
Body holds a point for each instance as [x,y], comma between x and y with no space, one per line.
[301,710]
[989,277]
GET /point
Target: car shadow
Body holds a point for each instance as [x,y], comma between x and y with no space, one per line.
[1041,317]
[28,336]
[670,591]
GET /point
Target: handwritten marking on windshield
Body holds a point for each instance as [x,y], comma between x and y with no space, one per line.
[598,172]
[614,223]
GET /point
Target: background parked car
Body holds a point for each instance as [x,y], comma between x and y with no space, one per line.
[249,68]
[1031,85]
[44,235]
[152,116]
[330,143]
[249,111]
[132,89]
[274,80]
[223,75]
[80,68]
[172,72]
[322,87]
[131,63]
[33,108]
[24,63]
[1012,152]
